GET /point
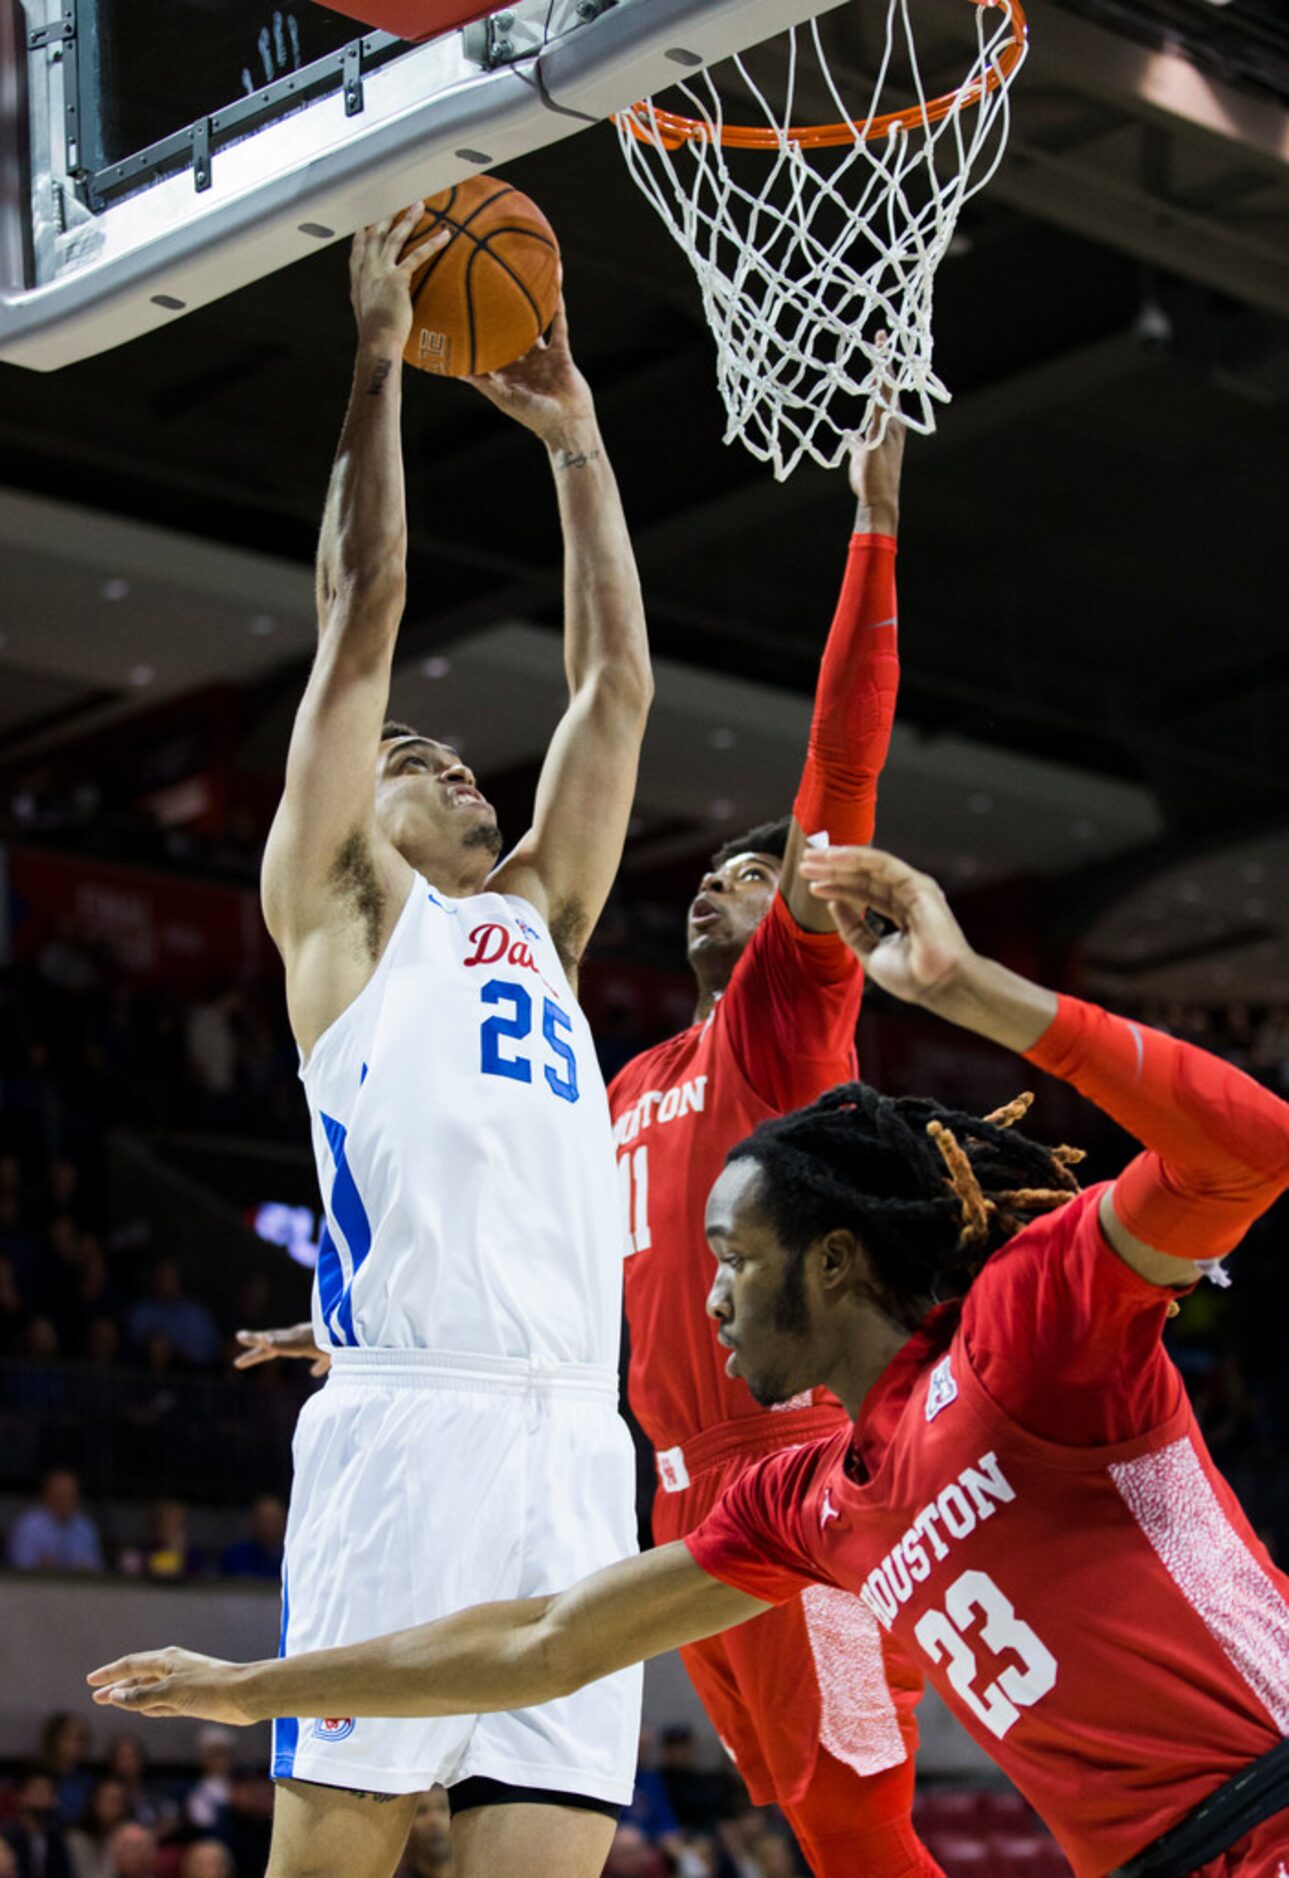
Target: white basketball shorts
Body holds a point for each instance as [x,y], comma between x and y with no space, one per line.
[427,1482]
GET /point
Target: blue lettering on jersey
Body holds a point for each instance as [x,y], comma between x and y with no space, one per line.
[513,1024]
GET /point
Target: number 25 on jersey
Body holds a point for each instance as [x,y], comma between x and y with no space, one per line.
[512,1025]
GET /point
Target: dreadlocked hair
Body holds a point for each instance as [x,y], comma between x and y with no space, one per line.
[929,1192]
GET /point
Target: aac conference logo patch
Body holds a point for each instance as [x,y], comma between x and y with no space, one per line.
[334,1728]
[941,1390]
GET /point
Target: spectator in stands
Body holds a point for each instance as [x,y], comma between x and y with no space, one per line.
[16,1239]
[207,1858]
[33,1835]
[64,1747]
[166,1553]
[187,1324]
[259,1555]
[632,1856]
[89,1296]
[133,1851]
[429,1843]
[89,1841]
[103,1343]
[55,1535]
[127,1762]
[211,1045]
[8,1862]
[250,1824]
[13,1308]
[774,1855]
[698,1797]
[650,1809]
[207,1805]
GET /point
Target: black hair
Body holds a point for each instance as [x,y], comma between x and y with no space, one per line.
[766,838]
[392,729]
[929,1192]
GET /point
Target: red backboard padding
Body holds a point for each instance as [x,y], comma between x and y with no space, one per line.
[414,19]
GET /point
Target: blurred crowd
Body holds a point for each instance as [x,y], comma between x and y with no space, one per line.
[66,1814]
[115,1366]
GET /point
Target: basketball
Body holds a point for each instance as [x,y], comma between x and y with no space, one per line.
[486,297]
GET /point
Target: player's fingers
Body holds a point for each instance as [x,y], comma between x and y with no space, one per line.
[425,250]
[320,1365]
[128,1668]
[559,324]
[249,1359]
[146,1698]
[853,927]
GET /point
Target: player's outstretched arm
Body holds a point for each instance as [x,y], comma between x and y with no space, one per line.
[494,1656]
[850,731]
[566,862]
[327,803]
[1217,1143]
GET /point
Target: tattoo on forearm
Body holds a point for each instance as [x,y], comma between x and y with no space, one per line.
[377,383]
[576,459]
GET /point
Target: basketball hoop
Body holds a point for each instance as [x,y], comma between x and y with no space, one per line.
[805,265]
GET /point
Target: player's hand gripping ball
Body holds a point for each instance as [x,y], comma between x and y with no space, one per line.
[485,298]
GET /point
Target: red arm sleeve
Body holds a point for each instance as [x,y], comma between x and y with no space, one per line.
[1061,1331]
[1216,1143]
[790,1011]
[793,1003]
[850,732]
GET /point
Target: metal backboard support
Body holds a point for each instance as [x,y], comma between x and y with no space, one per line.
[96,255]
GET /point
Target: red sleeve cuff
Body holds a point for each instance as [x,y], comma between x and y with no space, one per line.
[1059,1048]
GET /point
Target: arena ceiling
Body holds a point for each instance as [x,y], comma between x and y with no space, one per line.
[1094,553]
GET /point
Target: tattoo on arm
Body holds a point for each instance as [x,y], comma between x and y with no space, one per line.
[576,459]
[383,369]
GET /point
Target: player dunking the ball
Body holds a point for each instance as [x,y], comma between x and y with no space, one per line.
[778,1001]
[469,1277]
[1023,1500]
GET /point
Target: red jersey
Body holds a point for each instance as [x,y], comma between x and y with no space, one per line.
[1027,1506]
[782,1033]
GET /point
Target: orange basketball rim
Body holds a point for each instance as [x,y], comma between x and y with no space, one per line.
[651,125]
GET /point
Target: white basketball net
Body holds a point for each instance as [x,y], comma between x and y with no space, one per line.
[813,253]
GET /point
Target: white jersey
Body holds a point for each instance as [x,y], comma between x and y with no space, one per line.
[464,1149]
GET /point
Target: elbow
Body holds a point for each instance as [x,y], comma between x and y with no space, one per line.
[559,1668]
[624,691]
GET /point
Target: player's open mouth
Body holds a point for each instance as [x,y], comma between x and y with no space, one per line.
[703,914]
[464,793]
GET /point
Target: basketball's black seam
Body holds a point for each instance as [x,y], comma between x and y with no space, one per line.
[443,217]
[483,247]
[469,308]
[516,228]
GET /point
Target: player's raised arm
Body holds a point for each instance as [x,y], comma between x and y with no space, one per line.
[327,805]
[566,862]
[492,1657]
[850,731]
[1216,1143]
